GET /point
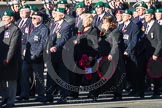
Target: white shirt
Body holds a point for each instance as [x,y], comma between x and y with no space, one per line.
[149,25]
[126,23]
[142,17]
[60,22]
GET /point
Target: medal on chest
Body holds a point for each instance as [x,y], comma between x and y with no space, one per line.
[7,34]
[152,35]
[143,28]
[27,29]
[36,38]
[126,36]
[58,35]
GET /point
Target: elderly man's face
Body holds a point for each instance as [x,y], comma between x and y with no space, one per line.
[140,11]
[126,17]
[58,16]
[36,19]
[118,17]
[99,10]
[158,16]
[79,11]
[148,17]
[7,19]
[24,13]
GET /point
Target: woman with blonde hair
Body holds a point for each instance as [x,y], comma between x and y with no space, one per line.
[85,52]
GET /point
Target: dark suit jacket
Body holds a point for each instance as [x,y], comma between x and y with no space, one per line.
[130,36]
[154,40]
[138,21]
[10,45]
[59,39]
[36,43]
[78,24]
[25,29]
[114,39]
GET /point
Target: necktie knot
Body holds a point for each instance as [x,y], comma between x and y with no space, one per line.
[124,27]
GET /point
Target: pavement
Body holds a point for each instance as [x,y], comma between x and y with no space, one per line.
[104,101]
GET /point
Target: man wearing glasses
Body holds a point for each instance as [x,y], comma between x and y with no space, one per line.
[34,54]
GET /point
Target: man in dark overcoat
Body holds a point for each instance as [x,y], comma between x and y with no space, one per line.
[10,45]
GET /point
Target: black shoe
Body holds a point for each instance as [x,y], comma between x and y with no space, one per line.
[94,97]
[22,98]
[132,93]
[141,95]
[50,100]
[40,99]
[154,96]
[62,100]
[74,96]
[116,98]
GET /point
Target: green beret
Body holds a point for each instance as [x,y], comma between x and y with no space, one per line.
[62,10]
[34,8]
[149,11]
[107,5]
[80,5]
[62,2]
[158,10]
[26,6]
[127,11]
[8,13]
[100,4]
[143,5]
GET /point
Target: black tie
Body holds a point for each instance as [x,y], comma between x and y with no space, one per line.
[98,20]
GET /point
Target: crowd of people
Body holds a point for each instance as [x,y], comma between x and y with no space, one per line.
[110,39]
